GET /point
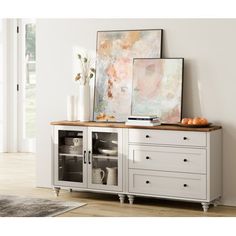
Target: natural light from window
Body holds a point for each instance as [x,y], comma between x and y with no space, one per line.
[30,81]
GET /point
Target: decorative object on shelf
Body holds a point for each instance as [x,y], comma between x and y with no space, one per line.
[195,126]
[111,175]
[115,53]
[71,108]
[74,141]
[196,122]
[103,117]
[98,175]
[84,103]
[110,152]
[151,120]
[78,141]
[66,149]
[87,71]
[83,78]
[157,88]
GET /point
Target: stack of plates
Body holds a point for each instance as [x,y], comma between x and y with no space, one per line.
[74,141]
[71,149]
[110,152]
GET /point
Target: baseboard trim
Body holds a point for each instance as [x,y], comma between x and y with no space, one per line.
[226,202]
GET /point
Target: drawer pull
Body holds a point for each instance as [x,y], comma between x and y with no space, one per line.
[84,157]
[185,160]
[185,185]
[89,157]
[147,157]
[147,182]
[185,138]
[147,136]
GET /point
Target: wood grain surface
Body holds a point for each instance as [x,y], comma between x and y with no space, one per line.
[122,125]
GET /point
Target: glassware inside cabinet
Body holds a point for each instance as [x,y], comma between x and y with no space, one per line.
[105,158]
[70,159]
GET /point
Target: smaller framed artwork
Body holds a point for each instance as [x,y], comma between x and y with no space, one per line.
[157,88]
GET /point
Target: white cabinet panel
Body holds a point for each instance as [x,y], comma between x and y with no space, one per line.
[167,159]
[105,155]
[167,137]
[94,161]
[69,162]
[167,184]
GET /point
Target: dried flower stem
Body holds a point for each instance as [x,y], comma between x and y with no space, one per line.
[87,72]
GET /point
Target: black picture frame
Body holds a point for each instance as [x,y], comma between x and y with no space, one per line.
[97,97]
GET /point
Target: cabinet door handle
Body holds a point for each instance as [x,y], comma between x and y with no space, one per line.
[185,138]
[147,182]
[147,157]
[89,157]
[185,185]
[84,157]
[147,136]
[185,160]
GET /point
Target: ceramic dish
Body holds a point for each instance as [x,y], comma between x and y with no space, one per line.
[195,126]
[111,152]
[66,149]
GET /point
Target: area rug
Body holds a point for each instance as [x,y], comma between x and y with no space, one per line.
[14,206]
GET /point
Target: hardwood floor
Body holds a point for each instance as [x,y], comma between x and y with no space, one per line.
[17,177]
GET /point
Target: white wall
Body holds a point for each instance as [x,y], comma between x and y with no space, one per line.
[1,85]
[208,47]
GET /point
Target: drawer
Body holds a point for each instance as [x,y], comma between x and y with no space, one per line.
[167,137]
[167,159]
[170,184]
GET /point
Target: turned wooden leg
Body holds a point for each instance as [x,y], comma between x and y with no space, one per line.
[122,198]
[205,206]
[131,199]
[56,190]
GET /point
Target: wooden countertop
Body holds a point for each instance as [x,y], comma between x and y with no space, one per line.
[122,125]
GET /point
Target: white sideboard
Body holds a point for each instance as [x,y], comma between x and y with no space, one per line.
[166,161]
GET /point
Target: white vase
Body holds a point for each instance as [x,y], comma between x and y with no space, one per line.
[84,103]
[111,176]
[71,108]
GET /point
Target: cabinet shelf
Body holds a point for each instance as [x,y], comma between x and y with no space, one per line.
[70,155]
[105,157]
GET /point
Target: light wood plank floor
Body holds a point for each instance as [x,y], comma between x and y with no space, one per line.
[17,177]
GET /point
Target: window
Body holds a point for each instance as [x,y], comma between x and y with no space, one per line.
[30,81]
[27,85]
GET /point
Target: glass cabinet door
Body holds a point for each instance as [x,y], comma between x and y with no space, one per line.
[70,159]
[105,158]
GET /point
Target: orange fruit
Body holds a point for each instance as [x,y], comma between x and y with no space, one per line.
[190,121]
[197,121]
[184,121]
[204,121]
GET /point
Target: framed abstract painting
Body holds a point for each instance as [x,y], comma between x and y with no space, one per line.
[157,88]
[114,69]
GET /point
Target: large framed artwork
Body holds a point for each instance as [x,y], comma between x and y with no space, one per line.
[157,88]
[114,69]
